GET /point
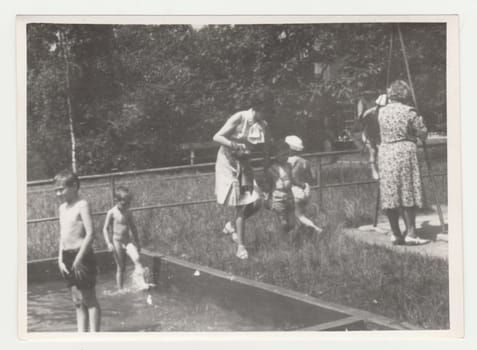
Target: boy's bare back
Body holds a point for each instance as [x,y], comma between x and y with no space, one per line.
[72,230]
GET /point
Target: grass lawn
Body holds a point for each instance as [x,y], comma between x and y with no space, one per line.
[408,287]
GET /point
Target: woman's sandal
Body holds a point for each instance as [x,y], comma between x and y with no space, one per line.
[242,252]
[415,240]
[228,228]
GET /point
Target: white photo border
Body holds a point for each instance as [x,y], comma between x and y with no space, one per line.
[456,301]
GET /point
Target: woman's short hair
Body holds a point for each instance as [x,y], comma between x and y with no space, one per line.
[260,100]
[399,90]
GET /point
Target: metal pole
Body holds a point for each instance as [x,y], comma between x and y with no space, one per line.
[388,76]
[390,56]
[320,184]
[376,213]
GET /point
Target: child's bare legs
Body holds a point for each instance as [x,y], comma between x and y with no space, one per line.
[120,257]
[81,310]
[300,216]
[372,161]
[88,312]
[94,311]
[133,253]
[374,171]
[285,219]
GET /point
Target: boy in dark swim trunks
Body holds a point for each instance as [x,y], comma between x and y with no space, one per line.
[76,257]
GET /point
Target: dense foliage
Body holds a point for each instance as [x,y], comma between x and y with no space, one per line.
[137,91]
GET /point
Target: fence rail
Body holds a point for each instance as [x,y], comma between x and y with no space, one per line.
[201,166]
[111,178]
[208,201]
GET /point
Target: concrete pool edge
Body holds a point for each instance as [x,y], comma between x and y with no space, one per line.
[353,314]
[320,315]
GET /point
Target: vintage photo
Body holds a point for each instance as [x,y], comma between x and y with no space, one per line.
[207,174]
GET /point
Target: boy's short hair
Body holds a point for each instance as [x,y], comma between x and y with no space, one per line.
[67,178]
[122,192]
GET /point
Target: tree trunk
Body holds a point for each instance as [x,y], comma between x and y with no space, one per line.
[66,57]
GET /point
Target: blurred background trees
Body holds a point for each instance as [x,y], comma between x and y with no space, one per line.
[136,92]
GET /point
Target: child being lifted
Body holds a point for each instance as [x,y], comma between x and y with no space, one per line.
[279,183]
[302,175]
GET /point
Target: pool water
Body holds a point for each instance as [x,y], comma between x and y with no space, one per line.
[50,309]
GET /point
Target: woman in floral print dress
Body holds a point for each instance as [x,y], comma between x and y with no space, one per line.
[400,180]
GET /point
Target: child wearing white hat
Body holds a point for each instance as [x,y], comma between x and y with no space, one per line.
[302,176]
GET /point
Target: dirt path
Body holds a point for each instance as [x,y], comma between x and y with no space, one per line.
[427,225]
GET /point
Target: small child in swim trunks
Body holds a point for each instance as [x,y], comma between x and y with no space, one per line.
[280,180]
[120,221]
[302,176]
[76,258]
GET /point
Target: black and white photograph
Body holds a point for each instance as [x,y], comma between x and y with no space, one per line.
[240,174]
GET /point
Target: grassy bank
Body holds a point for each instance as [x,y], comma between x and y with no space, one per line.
[407,287]
[336,268]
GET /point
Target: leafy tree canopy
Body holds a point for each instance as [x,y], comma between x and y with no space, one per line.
[138,91]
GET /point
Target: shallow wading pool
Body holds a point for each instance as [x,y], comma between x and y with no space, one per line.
[188,297]
[50,309]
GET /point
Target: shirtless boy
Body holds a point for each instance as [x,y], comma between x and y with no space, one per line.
[120,222]
[76,258]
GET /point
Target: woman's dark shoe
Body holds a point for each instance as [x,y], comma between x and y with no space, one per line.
[397,240]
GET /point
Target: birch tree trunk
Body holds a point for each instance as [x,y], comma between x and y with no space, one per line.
[65,50]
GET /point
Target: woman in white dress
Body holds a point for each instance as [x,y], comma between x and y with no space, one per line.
[235,185]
